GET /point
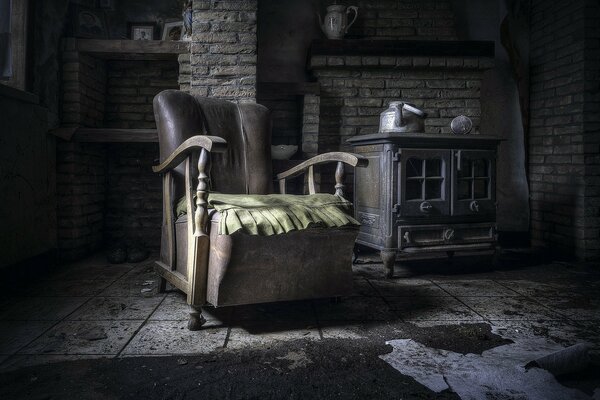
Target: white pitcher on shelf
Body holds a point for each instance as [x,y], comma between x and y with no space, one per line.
[336,23]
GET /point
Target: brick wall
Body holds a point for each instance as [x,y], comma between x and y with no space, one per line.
[107,193]
[404,19]
[557,170]
[131,87]
[84,88]
[356,89]
[133,207]
[223,53]
[591,125]
[81,193]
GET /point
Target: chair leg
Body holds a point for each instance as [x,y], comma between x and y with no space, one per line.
[162,285]
[196,319]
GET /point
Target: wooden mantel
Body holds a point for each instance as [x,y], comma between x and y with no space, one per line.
[127,49]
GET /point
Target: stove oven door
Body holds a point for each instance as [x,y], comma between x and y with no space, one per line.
[423,187]
[474,182]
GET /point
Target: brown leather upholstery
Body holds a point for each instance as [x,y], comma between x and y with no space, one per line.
[239,268]
[246,165]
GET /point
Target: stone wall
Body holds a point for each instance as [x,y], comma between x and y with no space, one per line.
[223,54]
[557,139]
[404,19]
[131,87]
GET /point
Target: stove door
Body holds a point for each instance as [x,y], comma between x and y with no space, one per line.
[474,182]
[424,182]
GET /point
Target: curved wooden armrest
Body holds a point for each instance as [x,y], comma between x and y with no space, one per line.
[351,159]
[213,144]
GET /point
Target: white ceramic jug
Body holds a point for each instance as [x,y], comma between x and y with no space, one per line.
[336,23]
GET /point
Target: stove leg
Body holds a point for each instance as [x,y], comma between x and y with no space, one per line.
[196,319]
[389,259]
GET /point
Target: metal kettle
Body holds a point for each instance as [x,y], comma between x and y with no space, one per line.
[401,117]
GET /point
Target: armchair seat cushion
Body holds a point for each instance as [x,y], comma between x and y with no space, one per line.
[275,214]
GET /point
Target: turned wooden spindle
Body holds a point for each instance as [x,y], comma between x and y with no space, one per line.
[339,179]
[201,213]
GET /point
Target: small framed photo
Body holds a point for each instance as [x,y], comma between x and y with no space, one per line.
[89,23]
[172,30]
[142,30]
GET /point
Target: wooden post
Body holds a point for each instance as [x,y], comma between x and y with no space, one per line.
[339,179]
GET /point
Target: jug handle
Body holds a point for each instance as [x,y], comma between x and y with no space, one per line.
[413,109]
[355,9]
[320,22]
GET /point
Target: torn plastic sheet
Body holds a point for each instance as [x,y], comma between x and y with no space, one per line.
[565,361]
[497,373]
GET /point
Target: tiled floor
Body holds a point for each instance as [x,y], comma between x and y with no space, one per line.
[93,309]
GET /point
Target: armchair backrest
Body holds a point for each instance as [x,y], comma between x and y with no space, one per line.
[246,126]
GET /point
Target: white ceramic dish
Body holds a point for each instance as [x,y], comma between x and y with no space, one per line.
[283,151]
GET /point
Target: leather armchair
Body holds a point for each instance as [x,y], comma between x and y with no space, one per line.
[216,145]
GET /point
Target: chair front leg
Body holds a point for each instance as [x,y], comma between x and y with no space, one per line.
[198,239]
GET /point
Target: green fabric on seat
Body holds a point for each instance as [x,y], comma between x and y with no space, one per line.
[274,214]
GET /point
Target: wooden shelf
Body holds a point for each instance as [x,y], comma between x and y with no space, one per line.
[127,49]
[455,48]
[107,135]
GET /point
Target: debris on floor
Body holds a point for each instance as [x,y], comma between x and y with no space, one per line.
[496,373]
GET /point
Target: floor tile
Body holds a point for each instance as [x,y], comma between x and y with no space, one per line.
[67,288]
[102,272]
[475,287]
[362,287]
[408,288]
[574,307]
[263,336]
[431,309]
[510,308]
[354,309]
[532,288]
[346,329]
[121,308]
[16,334]
[173,337]
[175,308]
[84,337]
[133,287]
[19,361]
[40,308]
[275,312]
[563,332]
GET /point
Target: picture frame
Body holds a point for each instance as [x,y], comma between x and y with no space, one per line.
[89,23]
[107,4]
[142,30]
[172,31]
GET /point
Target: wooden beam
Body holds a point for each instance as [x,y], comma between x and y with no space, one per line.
[131,46]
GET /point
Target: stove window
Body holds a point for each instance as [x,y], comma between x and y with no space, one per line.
[424,179]
[474,179]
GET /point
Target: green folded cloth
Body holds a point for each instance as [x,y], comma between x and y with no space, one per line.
[274,214]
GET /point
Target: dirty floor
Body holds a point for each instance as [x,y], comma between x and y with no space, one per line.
[100,331]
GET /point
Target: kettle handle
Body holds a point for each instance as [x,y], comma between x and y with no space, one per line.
[355,9]
[413,109]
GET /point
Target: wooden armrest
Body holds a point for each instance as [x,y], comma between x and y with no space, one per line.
[213,144]
[351,159]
